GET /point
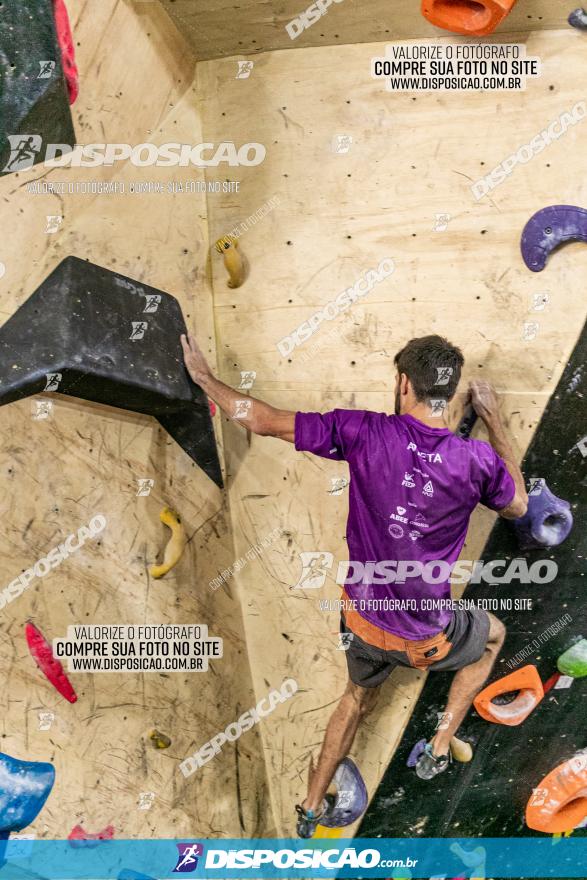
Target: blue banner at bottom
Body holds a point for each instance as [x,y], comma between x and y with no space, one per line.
[401,859]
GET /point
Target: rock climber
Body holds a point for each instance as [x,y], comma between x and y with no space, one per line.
[414,485]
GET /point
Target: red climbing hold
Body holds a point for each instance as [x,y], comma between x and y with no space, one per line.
[550,683]
[212,406]
[67,51]
[78,834]
[48,664]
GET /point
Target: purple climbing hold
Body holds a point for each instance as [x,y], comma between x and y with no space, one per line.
[549,228]
[351,796]
[415,753]
[547,522]
[578,19]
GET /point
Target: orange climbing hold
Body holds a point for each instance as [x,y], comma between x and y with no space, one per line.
[559,804]
[467,16]
[530,691]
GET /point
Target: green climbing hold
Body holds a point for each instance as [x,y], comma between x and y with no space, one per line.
[574,660]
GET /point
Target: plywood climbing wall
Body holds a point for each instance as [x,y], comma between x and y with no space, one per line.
[257,27]
[358,175]
[59,472]
[352,176]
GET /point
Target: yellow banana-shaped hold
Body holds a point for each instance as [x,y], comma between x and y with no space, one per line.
[175,545]
[461,751]
[228,247]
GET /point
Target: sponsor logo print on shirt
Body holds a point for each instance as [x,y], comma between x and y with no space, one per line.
[420,522]
[396,531]
[415,534]
[408,480]
[428,489]
[428,456]
[399,516]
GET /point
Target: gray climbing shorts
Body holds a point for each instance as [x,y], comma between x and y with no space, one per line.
[467,635]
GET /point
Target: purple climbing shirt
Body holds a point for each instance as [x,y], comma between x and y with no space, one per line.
[412,491]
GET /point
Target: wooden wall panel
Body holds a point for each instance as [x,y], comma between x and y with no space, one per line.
[219,29]
[338,215]
[60,472]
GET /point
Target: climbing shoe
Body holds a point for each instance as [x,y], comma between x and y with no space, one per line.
[309,819]
[430,765]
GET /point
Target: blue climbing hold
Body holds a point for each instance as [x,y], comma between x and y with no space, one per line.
[24,788]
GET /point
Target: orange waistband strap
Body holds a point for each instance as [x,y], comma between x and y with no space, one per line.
[378,637]
[370,633]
